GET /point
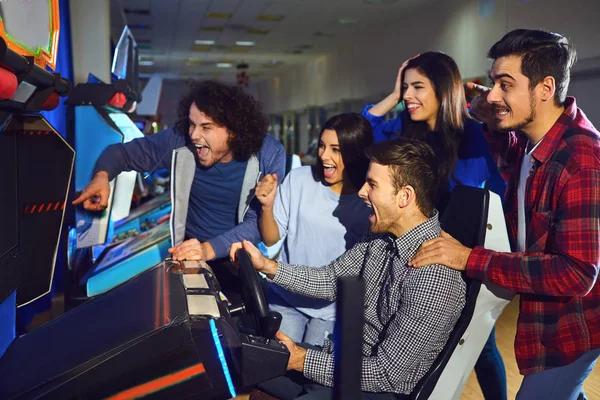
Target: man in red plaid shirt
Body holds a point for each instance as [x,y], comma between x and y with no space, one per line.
[552,209]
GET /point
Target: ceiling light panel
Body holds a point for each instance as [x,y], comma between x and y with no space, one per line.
[270,18]
[257,31]
[201,49]
[239,49]
[217,15]
[212,28]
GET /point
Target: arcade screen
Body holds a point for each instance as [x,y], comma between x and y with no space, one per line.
[134,245]
[125,59]
[92,135]
[32,29]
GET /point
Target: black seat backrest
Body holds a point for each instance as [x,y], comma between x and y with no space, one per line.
[465,219]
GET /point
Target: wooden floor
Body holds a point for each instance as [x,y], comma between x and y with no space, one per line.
[505,334]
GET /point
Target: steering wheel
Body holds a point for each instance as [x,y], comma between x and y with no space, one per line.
[266,322]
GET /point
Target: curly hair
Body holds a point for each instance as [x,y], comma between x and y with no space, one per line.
[230,107]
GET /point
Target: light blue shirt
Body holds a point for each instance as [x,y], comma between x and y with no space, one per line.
[320,226]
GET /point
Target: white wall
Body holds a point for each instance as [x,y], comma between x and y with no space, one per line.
[366,64]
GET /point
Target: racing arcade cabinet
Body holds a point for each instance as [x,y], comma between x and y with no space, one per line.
[97,263]
[163,334]
[35,161]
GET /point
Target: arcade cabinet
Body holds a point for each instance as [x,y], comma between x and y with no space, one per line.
[163,334]
[36,162]
[109,247]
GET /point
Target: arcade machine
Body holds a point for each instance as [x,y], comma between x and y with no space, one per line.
[152,188]
[110,247]
[146,115]
[163,334]
[35,161]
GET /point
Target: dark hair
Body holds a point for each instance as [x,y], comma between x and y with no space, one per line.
[542,54]
[411,162]
[227,106]
[449,89]
[354,135]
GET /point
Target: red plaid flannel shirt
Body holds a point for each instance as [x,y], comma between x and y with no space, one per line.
[559,316]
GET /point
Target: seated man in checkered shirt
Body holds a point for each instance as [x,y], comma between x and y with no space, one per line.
[409,313]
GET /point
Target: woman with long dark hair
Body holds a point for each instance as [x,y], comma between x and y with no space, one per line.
[318,211]
[436,112]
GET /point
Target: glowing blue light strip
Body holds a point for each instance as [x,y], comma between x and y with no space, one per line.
[215,335]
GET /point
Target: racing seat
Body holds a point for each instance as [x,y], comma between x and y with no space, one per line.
[475,218]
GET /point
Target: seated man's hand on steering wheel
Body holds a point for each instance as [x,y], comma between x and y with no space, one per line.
[260,262]
[192,249]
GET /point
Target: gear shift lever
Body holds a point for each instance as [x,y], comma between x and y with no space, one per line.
[270,324]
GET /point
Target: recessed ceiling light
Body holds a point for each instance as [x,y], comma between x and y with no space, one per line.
[204,42]
[258,31]
[345,21]
[211,28]
[324,34]
[224,65]
[218,15]
[147,63]
[275,62]
[195,62]
[244,43]
[272,18]
[239,49]
[201,48]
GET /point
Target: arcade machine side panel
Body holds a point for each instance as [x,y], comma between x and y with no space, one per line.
[44,167]
[28,49]
[9,239]
[135,334]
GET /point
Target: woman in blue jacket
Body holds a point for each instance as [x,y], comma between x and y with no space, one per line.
[433,93]
[431,87]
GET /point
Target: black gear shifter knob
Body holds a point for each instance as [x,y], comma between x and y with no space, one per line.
[270,324]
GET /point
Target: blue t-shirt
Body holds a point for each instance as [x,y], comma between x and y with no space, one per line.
[214,199]
[320,226]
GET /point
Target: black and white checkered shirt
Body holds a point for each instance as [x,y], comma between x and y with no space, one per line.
[409,313]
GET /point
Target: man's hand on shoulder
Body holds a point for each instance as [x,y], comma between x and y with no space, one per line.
[297,353]
[480,108]
[444,250]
